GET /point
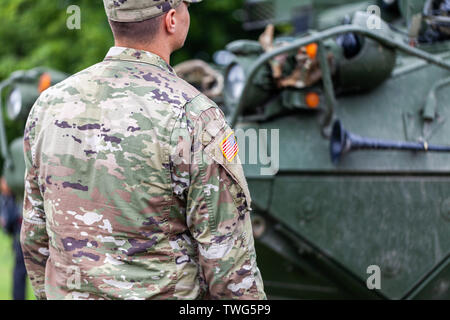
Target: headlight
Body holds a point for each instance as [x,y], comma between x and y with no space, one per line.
[20,100]
[235,82]
[14,104]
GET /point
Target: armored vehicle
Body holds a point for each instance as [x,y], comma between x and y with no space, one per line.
[344,135]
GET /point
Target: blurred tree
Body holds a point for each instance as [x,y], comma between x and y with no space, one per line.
[34,33]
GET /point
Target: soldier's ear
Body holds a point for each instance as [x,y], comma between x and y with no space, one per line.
[170,21]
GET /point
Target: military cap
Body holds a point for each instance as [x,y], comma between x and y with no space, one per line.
[139,10]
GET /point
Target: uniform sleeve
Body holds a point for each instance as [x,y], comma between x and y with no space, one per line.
[33,236]
[218,213]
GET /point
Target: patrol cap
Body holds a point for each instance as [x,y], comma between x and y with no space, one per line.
[139,10]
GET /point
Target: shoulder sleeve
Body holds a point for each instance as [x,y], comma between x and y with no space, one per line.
[33,237]
[218,207]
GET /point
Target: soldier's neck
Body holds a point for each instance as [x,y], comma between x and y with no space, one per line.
[161,50]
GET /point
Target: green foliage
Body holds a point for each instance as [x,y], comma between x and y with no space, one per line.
[34,33]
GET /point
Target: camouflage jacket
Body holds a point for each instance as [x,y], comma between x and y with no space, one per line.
[129,192]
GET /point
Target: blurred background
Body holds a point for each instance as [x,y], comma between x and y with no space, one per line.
[34,33]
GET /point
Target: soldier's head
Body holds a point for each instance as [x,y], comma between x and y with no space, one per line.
[138,23]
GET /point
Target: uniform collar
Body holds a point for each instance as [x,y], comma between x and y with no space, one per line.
[134,55]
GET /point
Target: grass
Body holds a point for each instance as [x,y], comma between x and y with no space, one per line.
[6,269]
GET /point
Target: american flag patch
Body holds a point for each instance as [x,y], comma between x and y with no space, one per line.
[229,147]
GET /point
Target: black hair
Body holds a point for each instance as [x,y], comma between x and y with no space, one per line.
[136,32]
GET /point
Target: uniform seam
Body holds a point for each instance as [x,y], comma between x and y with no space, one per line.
[211,217]
[202,170]
[172,202]
[247,254]
[32,143]
[235,201]
[189,101]
[141,62]
[208,200]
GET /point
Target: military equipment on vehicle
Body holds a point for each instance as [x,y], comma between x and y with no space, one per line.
[342,142]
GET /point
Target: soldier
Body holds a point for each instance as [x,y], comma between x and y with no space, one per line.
[134,189]
[11,220]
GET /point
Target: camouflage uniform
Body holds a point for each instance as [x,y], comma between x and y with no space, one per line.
[128,192]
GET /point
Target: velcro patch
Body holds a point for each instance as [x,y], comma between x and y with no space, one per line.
[229,147]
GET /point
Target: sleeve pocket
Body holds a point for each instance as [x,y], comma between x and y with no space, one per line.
[239,188]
